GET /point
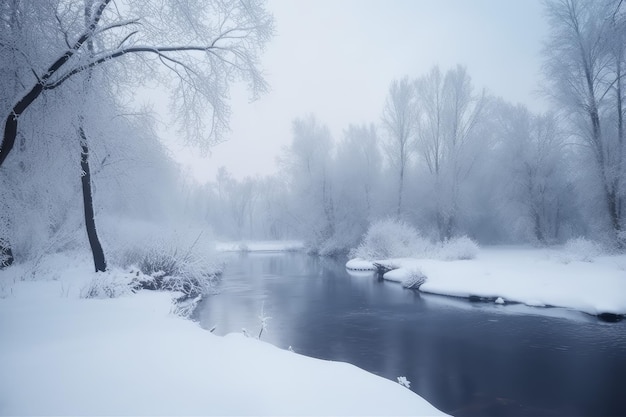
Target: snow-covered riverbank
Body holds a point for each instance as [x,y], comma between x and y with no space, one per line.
[61,354]
[536,277]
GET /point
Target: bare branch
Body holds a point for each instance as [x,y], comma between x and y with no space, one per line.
[159,50]
[58,19]
[115,25]
[126,38]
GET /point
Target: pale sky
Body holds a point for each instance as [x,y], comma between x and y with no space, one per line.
[336,59]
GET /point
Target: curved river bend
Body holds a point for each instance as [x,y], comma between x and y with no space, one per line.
[465,358]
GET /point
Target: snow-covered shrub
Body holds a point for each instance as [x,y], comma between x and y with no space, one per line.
[176,260]
[109,284]
[581,249]
[621,239]
[5,259]
[461,247]
[185,306]
[414,280]
[175,268]
[332,247]
[391,239]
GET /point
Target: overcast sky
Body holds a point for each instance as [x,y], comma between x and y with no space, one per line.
[336,58]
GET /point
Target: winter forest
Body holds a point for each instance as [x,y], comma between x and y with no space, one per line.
[451,189]
[452,159]
[446,156]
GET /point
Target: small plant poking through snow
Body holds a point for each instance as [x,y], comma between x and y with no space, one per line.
[264,319]
[458,248]
[404,382]
[390,239]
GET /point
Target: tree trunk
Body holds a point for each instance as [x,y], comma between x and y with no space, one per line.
[538,229]
[400,189]
[90,224]
[8,141]
[611,196]
[10,124]
[620,138]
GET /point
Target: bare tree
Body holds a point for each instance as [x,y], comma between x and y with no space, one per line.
[581,75]
[534,184]
[430,143]
[399,120]
[307,162]
[357,175]
[448,114]
[97,252]
[358,163]
[206,48]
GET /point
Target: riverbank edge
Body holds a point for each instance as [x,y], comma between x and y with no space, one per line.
[414,274]
[132,351]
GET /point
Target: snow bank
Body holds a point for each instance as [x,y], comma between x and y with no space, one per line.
[536,277]
[65,355]
[359,264]
[261,246]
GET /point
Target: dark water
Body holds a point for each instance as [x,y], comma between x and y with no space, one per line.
[465,358]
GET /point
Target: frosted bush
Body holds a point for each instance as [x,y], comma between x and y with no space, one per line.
[391,239]
[332,247]
[178,268]
[581,249]
[4,258]
[109,284]
[461,247]
[621,239]
[176,260]
[185,306]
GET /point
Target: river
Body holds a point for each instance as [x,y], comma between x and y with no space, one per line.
[465,358]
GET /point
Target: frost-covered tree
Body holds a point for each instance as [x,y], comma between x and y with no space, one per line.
[238,197]
[205,45]
[359,163]
[357,175]
[584,67]
[399,122]
[271,209]
[535,187]
[307,164]
[447,140]
[254,208]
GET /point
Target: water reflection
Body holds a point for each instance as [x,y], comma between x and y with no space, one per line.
[465,358]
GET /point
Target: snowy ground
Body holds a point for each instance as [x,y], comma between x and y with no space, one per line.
[61,354]
[536,277]
[260,246]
